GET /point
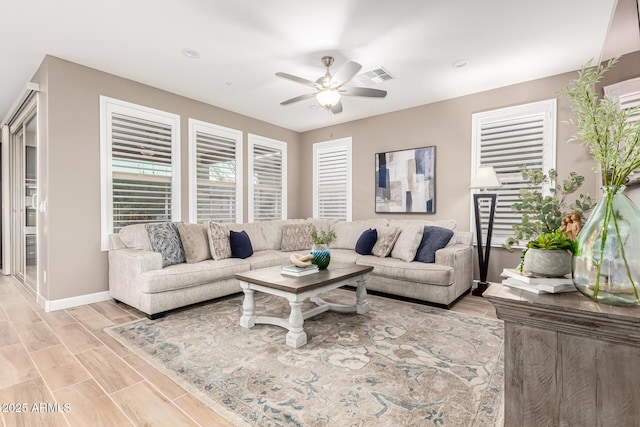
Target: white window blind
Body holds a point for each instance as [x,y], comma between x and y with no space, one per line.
[215,173]
[627,95]
[268,178]
[139,166]
[332,179]
[508,139]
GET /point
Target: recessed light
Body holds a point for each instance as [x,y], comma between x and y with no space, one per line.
[190,53]
[459,63]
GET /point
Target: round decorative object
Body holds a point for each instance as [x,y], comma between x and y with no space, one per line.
[321,255]
[548,263]
[300,260]
[606,266]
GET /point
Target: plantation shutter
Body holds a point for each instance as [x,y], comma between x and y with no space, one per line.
[139,166]
[508,139]
[268,172]
[332,180]
[627,95]
[216,161]
[142,169]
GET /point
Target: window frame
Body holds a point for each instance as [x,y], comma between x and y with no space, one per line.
[196,126]
[257,140]
[108,106]
[510,177]
[336,145]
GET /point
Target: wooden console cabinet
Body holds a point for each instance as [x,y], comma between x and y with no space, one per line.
[568,361]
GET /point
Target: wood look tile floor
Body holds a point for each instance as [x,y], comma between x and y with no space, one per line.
[66,358]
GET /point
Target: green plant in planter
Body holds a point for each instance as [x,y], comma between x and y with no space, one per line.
[542,213]
[553,241]
[322,238]
[549,241]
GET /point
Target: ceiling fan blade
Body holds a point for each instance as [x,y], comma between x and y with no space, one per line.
[298,98]
[297,79]
[337,108]
[363,91]
[345,73]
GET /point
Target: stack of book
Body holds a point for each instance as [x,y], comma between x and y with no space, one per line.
[536,284]
[293,270]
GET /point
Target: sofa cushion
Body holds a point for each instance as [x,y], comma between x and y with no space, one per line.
[218,239]
[418,272]
[295,237]
[272,232]
[182,276]
[195,242]
[433,239]
[348,232]
[366,241]
[268,258]
[254,231]
[387,237]
[135,237]
[165,240]
[407,244]
[240,244]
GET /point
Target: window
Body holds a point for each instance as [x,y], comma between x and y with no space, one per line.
[139,165]
[267,179]
[627,95]
[332,179]
[215,173]
[507,139]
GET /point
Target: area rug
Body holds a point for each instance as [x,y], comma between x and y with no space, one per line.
[401,364]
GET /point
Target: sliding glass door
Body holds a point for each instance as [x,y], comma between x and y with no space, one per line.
[24,199]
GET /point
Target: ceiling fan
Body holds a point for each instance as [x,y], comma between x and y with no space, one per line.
[329,88]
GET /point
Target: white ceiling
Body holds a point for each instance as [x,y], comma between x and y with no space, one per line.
[243,43]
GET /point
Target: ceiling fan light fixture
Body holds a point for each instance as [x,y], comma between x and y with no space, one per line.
[328,98]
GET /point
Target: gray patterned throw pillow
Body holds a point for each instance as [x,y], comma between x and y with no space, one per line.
[387,237]
[218,240]
[295,237]
[165,240]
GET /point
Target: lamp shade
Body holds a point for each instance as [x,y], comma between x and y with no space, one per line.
[486,177]
[328,98]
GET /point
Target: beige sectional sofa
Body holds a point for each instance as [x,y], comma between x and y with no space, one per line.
[137,278]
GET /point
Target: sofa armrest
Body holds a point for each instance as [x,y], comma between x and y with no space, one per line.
[126,267]
[460,258]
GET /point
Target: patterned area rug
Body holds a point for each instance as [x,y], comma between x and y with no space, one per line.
[401,364]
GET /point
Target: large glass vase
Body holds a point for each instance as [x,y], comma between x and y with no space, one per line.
[606,266]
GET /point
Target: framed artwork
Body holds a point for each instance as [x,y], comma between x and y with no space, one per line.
[405,181]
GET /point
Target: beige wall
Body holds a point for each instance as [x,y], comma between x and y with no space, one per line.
[70,160]
[76,264]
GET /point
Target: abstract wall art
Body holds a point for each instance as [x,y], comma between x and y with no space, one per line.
[405,181]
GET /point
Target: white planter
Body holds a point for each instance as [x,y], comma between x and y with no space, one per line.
[550,263]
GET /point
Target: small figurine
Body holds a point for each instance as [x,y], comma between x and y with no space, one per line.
[571,225]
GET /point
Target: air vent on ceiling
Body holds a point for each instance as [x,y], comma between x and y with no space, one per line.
[377,76]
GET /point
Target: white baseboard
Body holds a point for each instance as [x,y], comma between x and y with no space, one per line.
[61,304]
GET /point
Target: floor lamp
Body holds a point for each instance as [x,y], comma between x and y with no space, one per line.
[485,178]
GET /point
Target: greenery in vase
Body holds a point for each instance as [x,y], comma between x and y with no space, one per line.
[322,238]
[542,213]
[612,139]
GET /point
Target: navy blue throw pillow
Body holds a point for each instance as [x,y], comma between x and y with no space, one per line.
[240,244]
[433,239]
[366,241]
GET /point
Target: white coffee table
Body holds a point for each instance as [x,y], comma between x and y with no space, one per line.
[296,290]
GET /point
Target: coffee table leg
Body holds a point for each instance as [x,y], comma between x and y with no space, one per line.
[248,319]
[362,306]
[296,337]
